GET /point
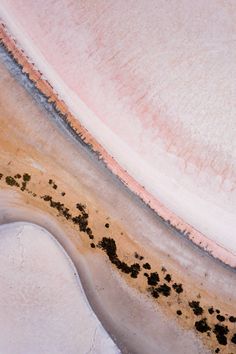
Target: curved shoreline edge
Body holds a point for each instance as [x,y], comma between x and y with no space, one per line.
[168,217]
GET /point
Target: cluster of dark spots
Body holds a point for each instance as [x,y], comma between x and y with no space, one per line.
[81,207]
[220,318]
[195,306]
[179,312]
[58,206]
[52,183]
[11,181]
[136,255]
[217,350]
[92,245]
[232,319]
[202,326]
[146,266]
[17,176]
[168,277]
[221,331]
[211,310]
[233,339]
[162,289]
[109,246]
[178,288]
[153,278]
[107,225]
[26,179]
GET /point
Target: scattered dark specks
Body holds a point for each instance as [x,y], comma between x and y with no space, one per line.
[211,310]
[233,339]
[168,277]
[136,255]
[232,319]
[179,312]
[195,306]
[146,266]
[202,326]
[220,318]
[107,225]
[17,176]
[221,331]
[178,288]
[153,278]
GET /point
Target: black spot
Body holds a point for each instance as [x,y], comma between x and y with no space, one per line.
[153,278]
[221,332]
[92,245]
[163,269]
[195,306]
[220,318]
[232,319]
[81,207]
[164,290]
[145,274]
[178,288]
[11,181]
[211,310]
[217,350]
[107,225]
[146,266]
[217,311]
[17,176]
[154,293]
[63,194]
[179,312]
[168,277]
[233,339]
[202,326]
[26,177]
[1,175]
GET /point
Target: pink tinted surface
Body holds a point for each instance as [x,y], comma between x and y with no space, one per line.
[154,84]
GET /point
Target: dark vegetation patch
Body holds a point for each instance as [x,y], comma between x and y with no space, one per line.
[63,194]
[11,181]
[168,277]
[153,278]
[107,225]
[220,318]
[233,339]
[92,245]
[146,266]
[217,350]
[26,179]
[164,289]
[179,312]
[202,326]
[109,246]
[221,331]
[217,311]
[178,288]
[211,310]
[52,183]
[195,306]
[232,319]
[17,176]
[1,175]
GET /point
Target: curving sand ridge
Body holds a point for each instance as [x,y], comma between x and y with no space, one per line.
[154,85]
[136,272]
